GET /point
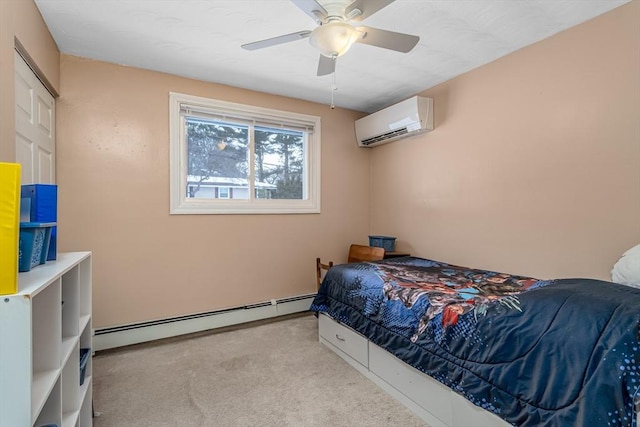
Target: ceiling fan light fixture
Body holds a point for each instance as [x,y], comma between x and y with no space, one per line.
[334,38]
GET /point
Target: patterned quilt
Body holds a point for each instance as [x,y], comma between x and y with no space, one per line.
[564,352]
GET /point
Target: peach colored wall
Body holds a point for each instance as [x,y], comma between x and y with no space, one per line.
[21,19]
[534,163]
[113,176]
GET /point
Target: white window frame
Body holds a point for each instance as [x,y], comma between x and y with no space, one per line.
[181,204]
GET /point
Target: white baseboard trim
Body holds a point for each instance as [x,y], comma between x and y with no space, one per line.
[136,333]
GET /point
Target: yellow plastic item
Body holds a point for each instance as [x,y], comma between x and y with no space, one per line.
[9,226]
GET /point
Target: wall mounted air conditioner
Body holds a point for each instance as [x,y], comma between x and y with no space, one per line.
[401,120]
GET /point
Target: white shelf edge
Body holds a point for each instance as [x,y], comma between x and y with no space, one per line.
[66,348]
[85,387]
[32,282]
[84,321]
[69,418]
[43,383]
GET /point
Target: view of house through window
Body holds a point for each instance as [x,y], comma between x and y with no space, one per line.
[219,157]
[233,158]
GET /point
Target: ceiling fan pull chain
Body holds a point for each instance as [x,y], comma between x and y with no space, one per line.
[333,83]
[333,106]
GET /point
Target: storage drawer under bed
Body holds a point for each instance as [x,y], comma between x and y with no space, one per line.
[423,390]
[344,339]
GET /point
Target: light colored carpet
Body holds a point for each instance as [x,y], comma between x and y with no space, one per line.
[272,374]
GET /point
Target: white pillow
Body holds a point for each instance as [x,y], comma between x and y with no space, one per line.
[627,270]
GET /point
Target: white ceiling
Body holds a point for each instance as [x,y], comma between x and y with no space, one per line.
[201,40]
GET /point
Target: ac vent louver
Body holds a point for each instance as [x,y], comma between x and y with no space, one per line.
[385,136]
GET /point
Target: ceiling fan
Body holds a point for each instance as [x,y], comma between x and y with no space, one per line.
[335,33]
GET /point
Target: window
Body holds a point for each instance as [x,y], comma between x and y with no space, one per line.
[223,193]
[233,158]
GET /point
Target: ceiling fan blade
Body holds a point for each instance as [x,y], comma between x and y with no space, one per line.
[313,9]
[326,65]
[388,39]
[277,40]
[366,8]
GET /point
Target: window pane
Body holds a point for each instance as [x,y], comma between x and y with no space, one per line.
[217,159]
[224,193]
[279,164]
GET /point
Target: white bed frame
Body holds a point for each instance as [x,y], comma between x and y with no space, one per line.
[430,400]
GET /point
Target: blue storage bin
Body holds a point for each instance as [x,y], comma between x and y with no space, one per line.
[386,242]
[39,203]
[84,358]
[34,244]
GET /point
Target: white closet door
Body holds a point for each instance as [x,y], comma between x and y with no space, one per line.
[35,126]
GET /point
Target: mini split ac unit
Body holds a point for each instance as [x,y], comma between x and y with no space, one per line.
[404,119]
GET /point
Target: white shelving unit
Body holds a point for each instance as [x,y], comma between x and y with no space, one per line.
[42,329]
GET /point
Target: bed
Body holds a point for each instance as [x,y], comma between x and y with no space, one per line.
[463,346]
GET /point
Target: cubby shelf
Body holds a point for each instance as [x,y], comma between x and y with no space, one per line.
[42,329]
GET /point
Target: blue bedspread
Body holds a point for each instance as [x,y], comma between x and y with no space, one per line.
[536,353]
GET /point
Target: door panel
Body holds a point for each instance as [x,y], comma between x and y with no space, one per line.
[24,156]
[45,163]
[35,126]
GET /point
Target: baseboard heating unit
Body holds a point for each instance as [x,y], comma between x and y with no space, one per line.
[135,333]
